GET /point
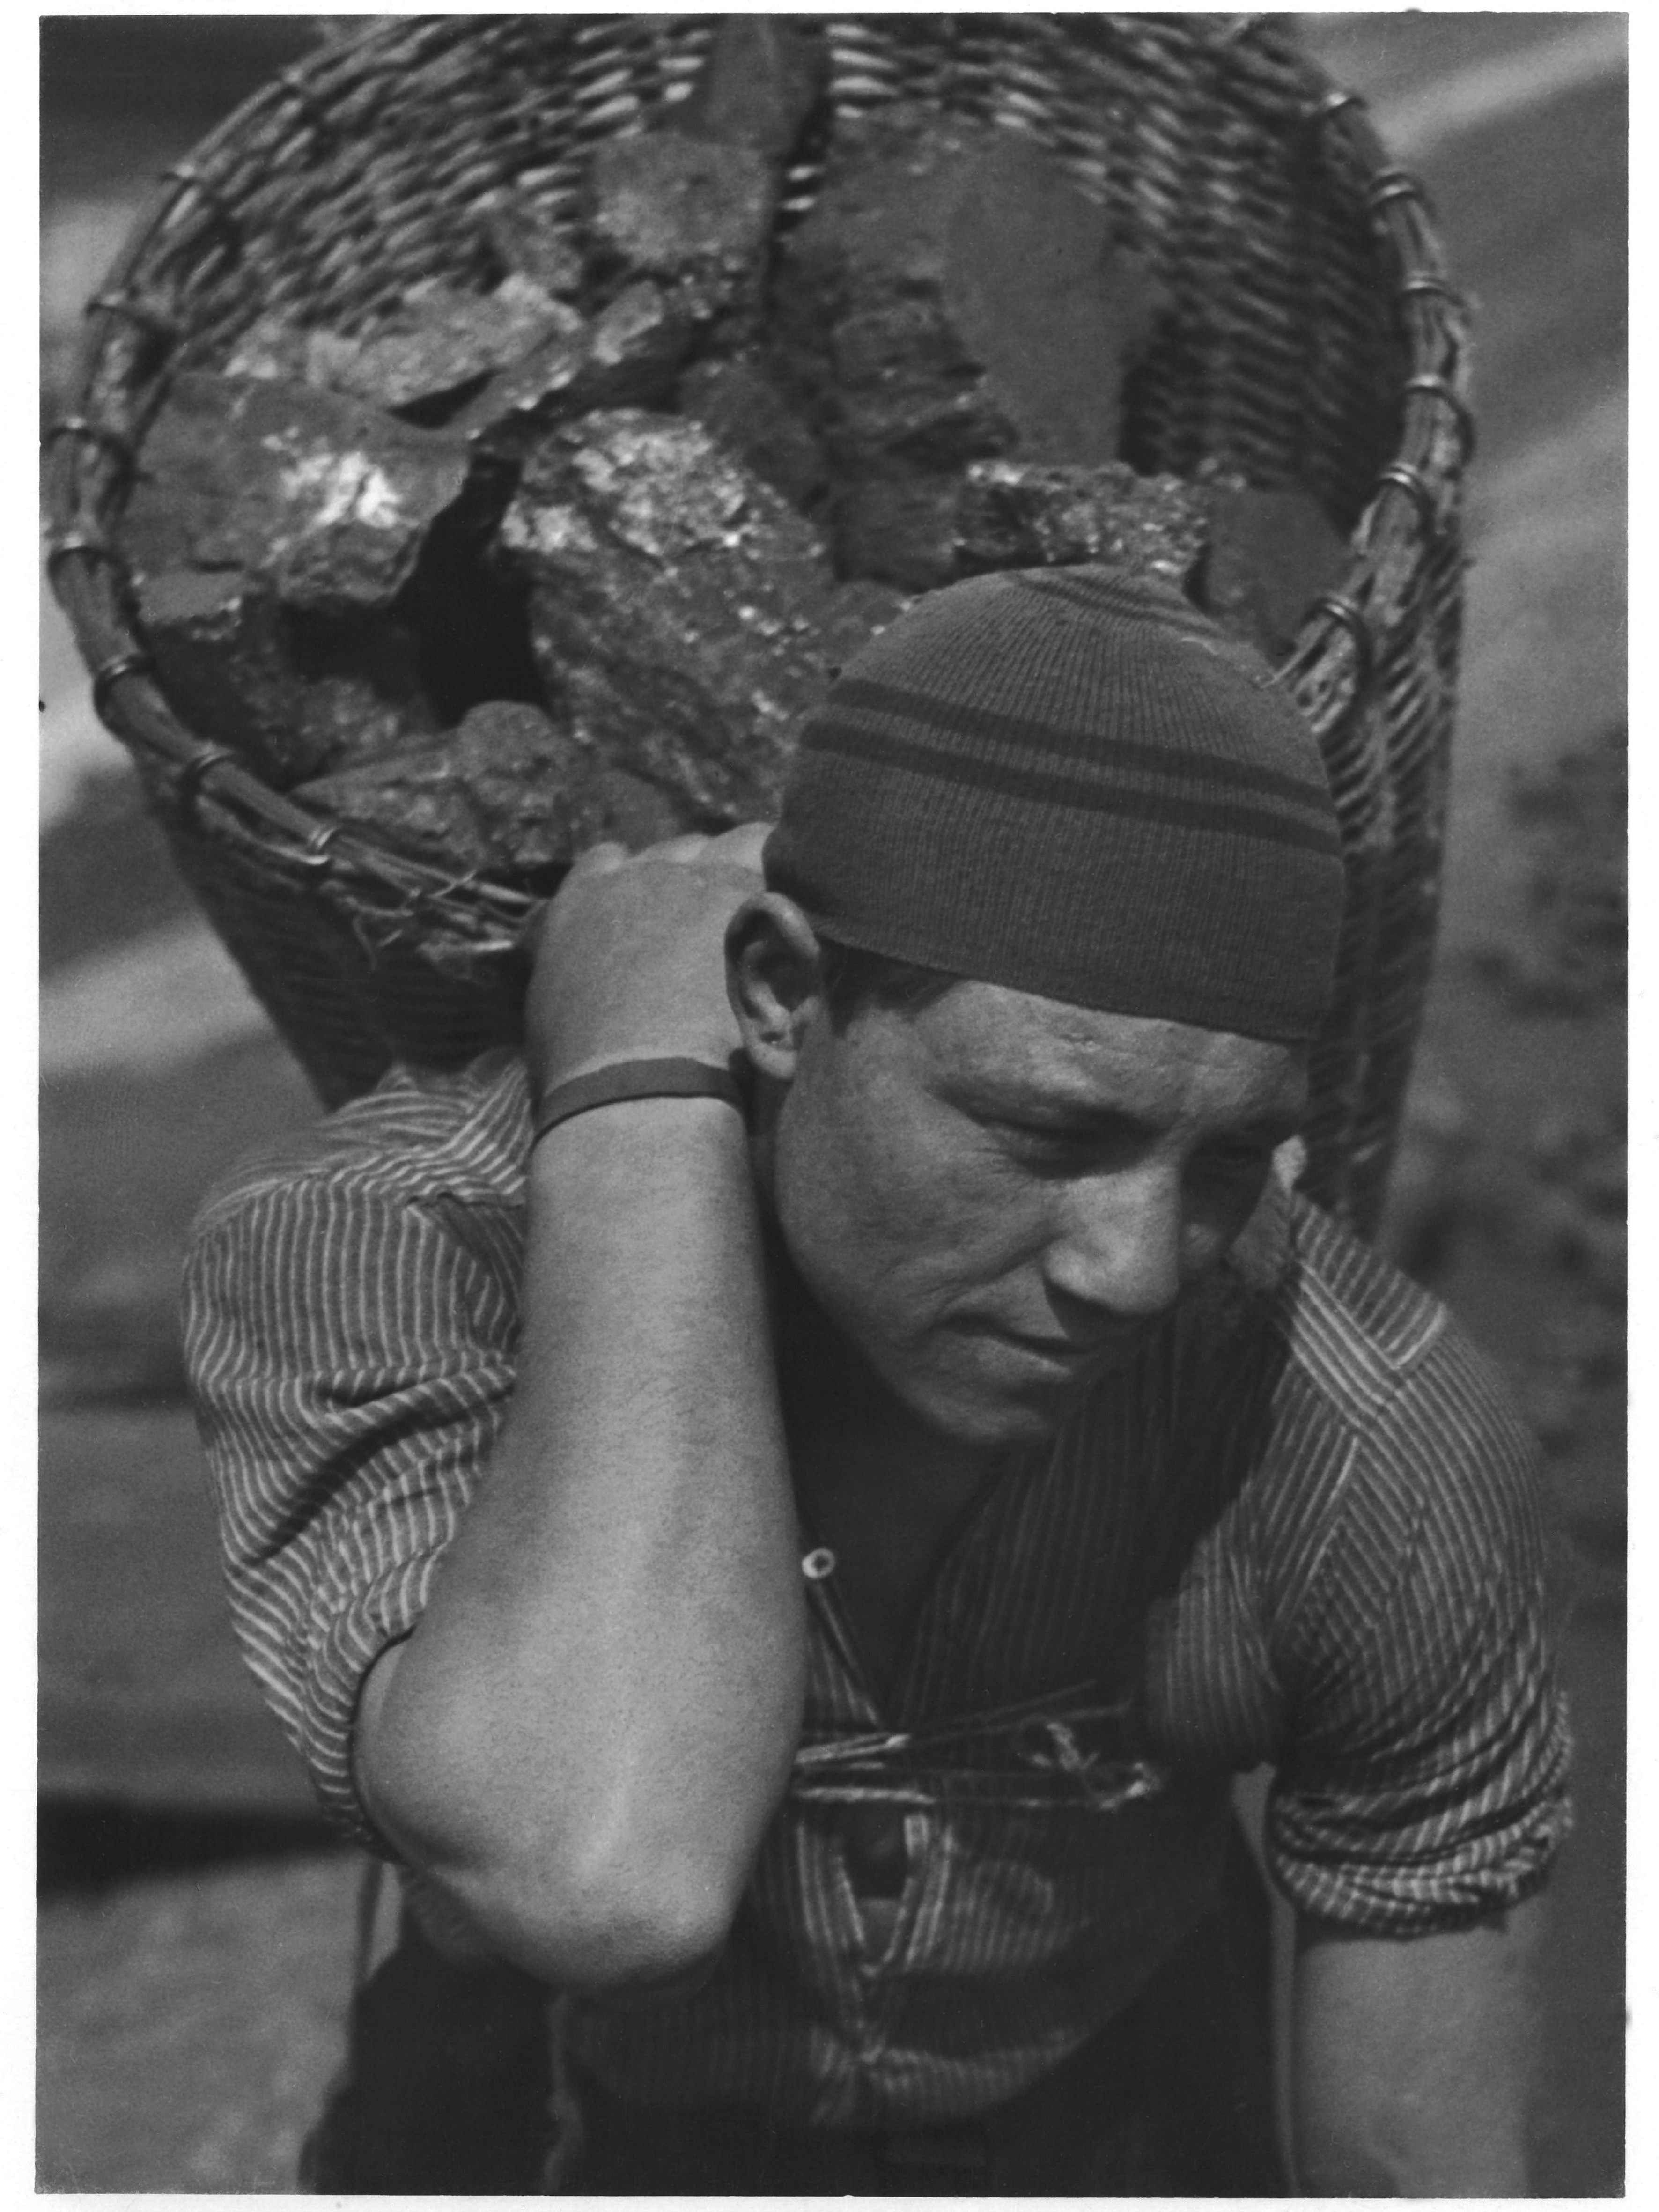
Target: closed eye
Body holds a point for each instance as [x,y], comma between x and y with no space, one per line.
[1064,1144]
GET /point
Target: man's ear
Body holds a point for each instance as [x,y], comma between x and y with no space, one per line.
[774,979]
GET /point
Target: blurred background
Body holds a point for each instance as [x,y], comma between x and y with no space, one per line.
[197,1926]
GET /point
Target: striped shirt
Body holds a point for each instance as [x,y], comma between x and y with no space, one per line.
[1303,1530]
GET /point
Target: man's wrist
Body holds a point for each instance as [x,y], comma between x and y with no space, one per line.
[626,1081]
[636,1144]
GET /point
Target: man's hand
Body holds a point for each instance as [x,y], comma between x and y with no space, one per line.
[631,961]
[1410,2059]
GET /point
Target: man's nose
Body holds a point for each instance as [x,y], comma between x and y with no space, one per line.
[1117,1244]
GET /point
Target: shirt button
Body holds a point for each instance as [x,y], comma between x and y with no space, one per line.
[818,1563]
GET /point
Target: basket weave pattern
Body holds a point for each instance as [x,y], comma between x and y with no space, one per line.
[1309,338]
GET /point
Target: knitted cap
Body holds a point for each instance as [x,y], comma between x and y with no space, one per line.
[1072,782]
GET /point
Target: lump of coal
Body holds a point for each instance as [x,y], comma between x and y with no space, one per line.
[760,80]
[862,309]
[1045,302]
[626,356]
[348,717]
[230,664]
[423,361]
[952,296]
[684,616]
[509,793]
[443,340]
[638,342]
[1011,514]
[506,792]
[223,662]
[321,497]
[281,352]
[273,348]
[899,530]
[364,690]
[531,241]
[743,409]
[691,211]
[545,380]
[692,203]
[1271,554]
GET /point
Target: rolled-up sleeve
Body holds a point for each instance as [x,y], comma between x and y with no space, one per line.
[351,1354]
[1424,1784]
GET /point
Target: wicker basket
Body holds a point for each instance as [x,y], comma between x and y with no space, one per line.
[1309,338]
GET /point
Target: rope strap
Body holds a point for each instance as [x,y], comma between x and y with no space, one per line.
[1068,1747]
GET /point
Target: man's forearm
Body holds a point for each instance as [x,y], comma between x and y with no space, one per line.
[586,1734]
[1412,2058]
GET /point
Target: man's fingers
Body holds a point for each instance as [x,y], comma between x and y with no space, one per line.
[739,847]
[742,846]
[598,859]
[691,847]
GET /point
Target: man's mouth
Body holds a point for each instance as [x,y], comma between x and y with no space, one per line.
[1069,1352]
[1050,1347]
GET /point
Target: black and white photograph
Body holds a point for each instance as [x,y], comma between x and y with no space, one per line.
[832,1130]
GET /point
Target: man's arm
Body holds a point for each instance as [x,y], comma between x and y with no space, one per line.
[584,1736]
[1411,2057]
[1421,1786]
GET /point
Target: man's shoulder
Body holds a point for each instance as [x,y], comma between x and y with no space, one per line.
[1409,1408]
[419,1135]
[1385,1455]
[1358,1329]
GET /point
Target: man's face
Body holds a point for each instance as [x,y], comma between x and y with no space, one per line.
[996,1194]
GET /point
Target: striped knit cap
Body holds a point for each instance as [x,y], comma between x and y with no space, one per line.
[1072,782]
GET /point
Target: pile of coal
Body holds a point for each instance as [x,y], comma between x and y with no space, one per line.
[565,543]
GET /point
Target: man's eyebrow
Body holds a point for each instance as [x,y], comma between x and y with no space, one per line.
[1014,1098]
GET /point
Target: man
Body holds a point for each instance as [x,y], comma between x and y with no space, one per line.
[796,1564]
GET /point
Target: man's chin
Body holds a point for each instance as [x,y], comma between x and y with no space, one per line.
[991,1418]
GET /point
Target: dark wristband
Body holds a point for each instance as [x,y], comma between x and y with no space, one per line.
[636,1078]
